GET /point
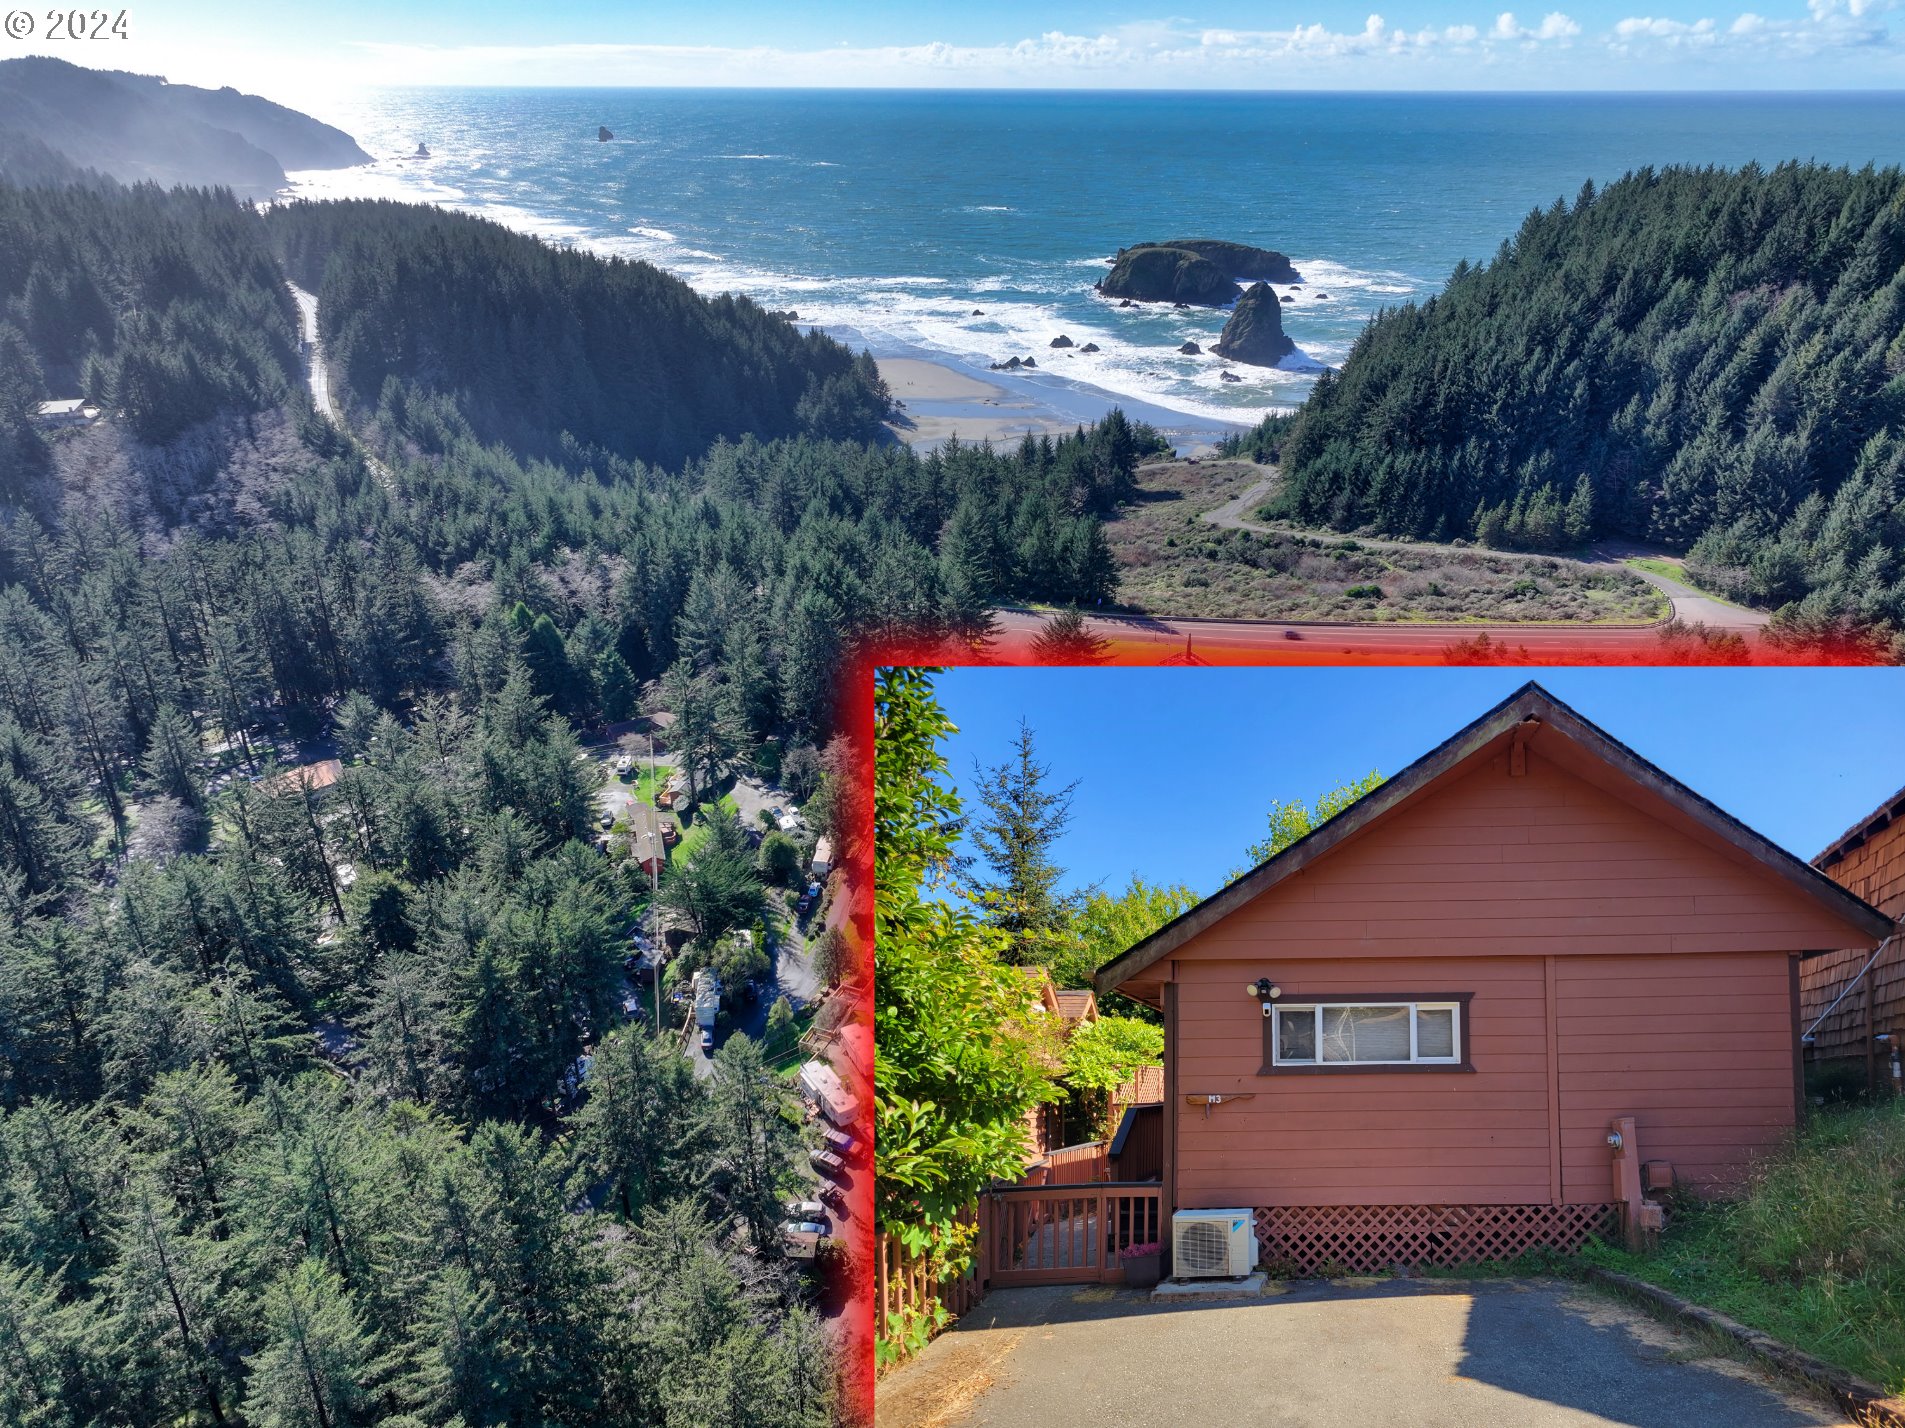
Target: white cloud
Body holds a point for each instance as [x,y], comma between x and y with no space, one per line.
[1554,26]
[1459,52]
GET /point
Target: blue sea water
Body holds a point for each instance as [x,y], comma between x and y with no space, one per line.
[891,215]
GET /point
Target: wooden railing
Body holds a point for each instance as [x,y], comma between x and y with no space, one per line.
[902,1281]
[1067,1234]
[1074,1165]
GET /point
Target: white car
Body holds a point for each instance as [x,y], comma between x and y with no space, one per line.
[806,1210]
[804,1227]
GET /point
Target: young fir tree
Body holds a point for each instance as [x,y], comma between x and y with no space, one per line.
[1023,818]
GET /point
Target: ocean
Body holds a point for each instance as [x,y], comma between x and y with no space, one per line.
[887,217]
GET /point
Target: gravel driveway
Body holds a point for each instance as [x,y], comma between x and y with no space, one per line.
[1384,1354]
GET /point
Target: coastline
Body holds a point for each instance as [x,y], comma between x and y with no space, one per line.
[943,397]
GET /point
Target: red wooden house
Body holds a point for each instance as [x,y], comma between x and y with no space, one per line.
[1413,1036]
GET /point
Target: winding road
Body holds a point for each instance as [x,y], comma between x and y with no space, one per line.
[1689,606]
[319,377]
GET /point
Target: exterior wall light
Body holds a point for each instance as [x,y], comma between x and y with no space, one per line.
[1263,989]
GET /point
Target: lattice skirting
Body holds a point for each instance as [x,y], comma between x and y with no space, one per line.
[1367,1239]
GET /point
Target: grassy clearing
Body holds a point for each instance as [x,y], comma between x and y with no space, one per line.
[694,834]
[1814,1254]
[1173,562]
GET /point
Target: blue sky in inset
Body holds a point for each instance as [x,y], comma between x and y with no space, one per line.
[1177,767]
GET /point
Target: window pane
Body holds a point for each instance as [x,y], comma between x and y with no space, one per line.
[1296,1034]
[1366,1033]
[1435,1031]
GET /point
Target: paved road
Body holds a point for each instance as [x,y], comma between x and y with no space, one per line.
[1689,605]
[1399,1354]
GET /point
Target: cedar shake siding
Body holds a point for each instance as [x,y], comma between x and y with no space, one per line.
[1868,860]
[1618,948]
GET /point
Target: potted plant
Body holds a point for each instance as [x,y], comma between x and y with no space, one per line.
[1142,1264]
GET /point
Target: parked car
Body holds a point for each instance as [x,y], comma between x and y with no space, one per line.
[623,765]
[840,1140]
[804,1227]
[707,1038]
[826,1161]
[806,1210]
[833,1196]
[607,820]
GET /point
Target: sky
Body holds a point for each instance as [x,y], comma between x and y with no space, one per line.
[301,53]
[1177,768]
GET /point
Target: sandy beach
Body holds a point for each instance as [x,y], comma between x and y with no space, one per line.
[940,401]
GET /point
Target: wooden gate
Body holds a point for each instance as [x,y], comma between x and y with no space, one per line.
[1067,1234]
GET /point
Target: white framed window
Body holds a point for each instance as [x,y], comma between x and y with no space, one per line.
[1368,1032]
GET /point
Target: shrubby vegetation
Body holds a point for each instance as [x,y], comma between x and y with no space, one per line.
[1713,360]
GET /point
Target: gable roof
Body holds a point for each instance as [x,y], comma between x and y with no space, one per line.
[1528,711]
[1077,1003]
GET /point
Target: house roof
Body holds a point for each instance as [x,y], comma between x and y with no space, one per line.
[1876,821]
[1530,710]
[315,776]
[1077,1003]
[1042,990]
[64,406]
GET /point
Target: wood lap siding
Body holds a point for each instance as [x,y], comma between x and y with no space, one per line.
[1672,1003]
[1411,1138]
[1698,1050]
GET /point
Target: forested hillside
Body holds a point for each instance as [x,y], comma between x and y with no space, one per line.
[547,349]
[171,304]
[289,1119]
[1713,360]
[139,128]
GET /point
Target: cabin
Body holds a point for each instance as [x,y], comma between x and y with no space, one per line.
[1523,992]
[1852,1000]
[317,778]
[647,838]
[66,412]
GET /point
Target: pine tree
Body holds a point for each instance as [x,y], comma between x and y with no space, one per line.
[751,1143]
[1022,821]
[633,1132]
[319,1366]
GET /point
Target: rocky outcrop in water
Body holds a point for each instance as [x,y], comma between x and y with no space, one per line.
[1205,272]
[1255,333]
[603,134]
[1062,341]
[1243,262]
[1156,274]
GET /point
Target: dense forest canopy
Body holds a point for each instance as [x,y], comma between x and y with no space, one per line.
[288,1078]
[1712,360]
[545,347]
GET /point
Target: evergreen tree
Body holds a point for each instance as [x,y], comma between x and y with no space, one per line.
[1023,818]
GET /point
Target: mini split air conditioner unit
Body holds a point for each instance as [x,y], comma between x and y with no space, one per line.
[1213,1244]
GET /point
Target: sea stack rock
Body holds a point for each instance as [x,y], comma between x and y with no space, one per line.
[978,312]
[1191,349]
[1254,333]
[423,152]
[1240,260]
[1062,341]
[1031,362]
[1156,274]
[602,134]
[1089,347]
